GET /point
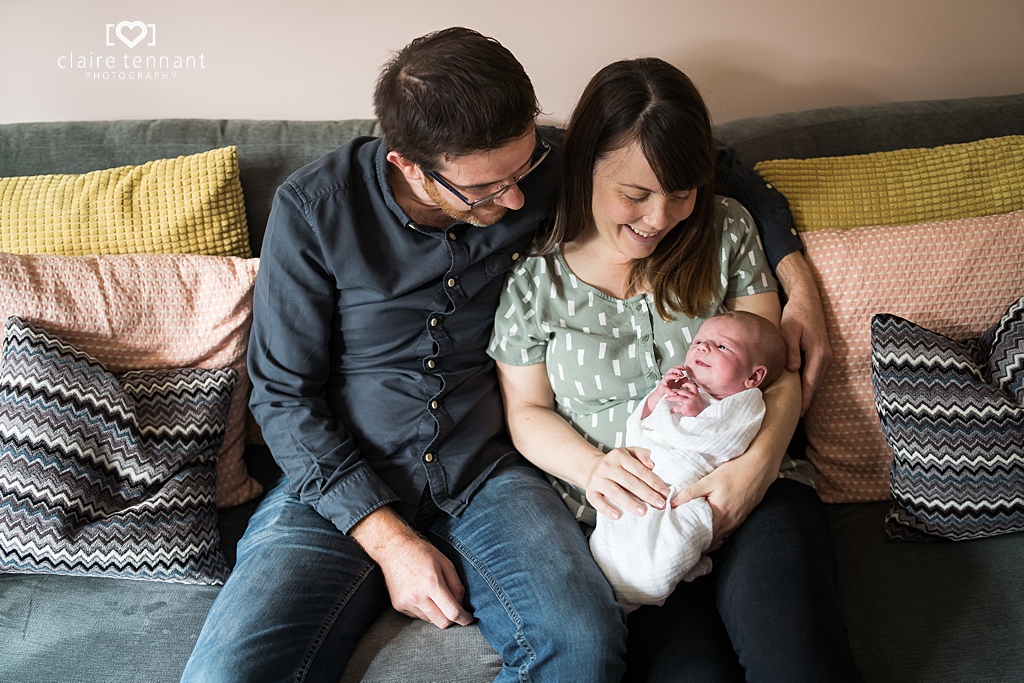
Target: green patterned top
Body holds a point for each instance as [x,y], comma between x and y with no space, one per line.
[603,354]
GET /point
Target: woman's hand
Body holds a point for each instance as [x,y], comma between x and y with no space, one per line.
[624,479]
[732,490]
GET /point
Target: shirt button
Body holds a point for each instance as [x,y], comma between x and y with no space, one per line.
[433,405]
[639,307]
[451,282]
[431,364]
[429,457]
[651,375]
[433,322]
[451,236]
[646,337]
[515,256]
[769,186]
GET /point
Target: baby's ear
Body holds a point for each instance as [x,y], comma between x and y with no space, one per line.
[756,377]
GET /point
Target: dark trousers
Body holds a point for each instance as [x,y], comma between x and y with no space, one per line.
[768,611]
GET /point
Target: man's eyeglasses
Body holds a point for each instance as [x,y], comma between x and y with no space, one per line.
[540,153]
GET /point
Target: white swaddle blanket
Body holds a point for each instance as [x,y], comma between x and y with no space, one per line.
[644,558]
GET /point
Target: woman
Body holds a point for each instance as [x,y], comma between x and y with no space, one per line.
[641,252]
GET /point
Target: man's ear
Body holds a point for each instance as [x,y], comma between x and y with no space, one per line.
[410,170]
[756,377]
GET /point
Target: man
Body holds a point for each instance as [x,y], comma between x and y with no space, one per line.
[380,275]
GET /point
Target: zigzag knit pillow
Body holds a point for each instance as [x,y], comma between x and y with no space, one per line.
[148,312]
[103,475]
[953,414]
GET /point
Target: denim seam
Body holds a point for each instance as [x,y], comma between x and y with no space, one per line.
[326,625]
[523,673]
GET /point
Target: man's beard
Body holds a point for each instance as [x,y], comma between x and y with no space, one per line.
[493,212]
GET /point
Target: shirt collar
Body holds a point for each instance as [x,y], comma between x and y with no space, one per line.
[387,191]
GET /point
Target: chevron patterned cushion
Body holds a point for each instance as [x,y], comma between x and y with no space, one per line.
[148,312]
[953,414]
[103,475]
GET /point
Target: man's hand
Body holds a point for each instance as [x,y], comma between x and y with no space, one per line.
[421,581]
[803,325]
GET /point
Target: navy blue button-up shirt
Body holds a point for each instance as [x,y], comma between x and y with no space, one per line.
[371,381]
[370,378]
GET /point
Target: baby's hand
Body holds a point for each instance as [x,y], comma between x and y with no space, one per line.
[685,400]
[674,378]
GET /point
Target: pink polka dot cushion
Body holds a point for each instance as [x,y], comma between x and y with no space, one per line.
[953,277]
[148,312]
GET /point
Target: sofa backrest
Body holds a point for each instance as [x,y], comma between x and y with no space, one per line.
[861,129]
[269,151]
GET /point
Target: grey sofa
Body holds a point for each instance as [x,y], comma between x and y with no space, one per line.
[916,612]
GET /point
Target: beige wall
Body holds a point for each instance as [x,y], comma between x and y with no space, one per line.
[317,59]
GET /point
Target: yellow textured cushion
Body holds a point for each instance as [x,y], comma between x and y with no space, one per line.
[902,187]
[191,204]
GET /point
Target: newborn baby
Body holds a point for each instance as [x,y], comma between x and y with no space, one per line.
[699,416]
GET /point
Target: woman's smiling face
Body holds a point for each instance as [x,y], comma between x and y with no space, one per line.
[632,213]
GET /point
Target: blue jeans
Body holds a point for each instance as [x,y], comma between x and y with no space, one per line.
[303,593]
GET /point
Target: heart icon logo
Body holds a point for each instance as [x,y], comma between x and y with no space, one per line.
[130,26]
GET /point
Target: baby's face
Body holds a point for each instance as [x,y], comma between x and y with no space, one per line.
[719,359]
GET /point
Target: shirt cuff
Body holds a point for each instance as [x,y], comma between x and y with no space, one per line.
[353,498]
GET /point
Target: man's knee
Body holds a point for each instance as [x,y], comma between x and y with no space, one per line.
[600,625]
[587,642]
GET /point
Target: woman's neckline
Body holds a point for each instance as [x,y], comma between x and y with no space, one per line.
[589,287]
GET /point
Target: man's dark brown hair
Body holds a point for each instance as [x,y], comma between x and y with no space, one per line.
[452,93]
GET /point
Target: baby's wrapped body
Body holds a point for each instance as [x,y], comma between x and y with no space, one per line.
[645,557]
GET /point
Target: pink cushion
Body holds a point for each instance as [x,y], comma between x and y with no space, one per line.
[148,312]
[953,277]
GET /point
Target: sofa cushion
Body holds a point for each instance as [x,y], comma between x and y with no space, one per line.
[951,276]
[148,312]
[953,416]
[459,653]
[902,187]
[103,475]
[926,612]
[190,204]
[85,628]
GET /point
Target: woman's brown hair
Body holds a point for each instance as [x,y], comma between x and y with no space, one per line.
[655,105]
